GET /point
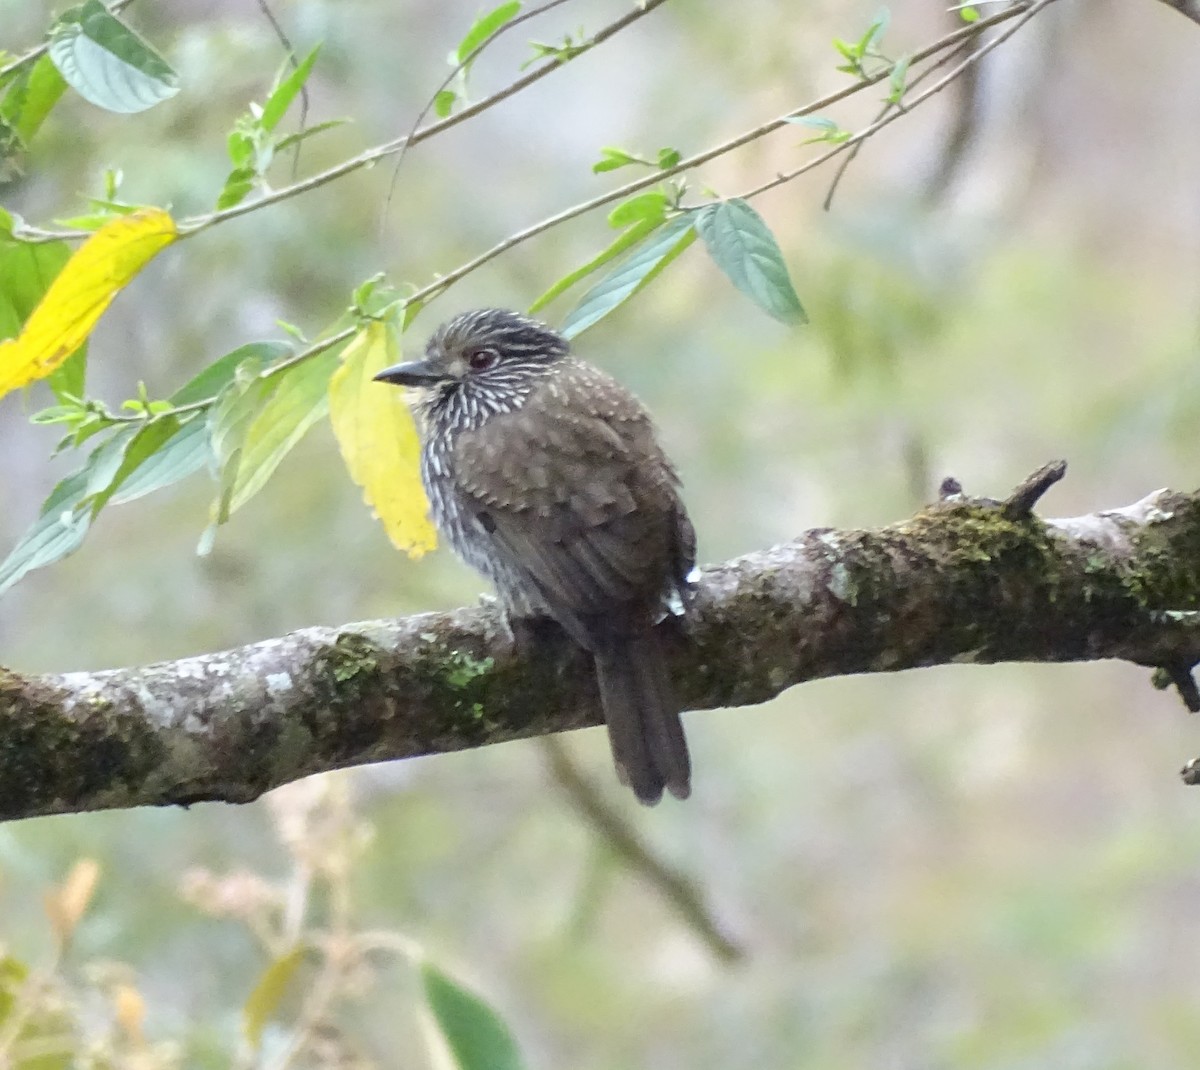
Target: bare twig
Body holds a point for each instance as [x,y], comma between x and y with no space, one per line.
[284,40]
[621,837]
[1019,504]
[844,166]
[636,186]
[463,64]
[1023,13]
[389,148]
[950,40]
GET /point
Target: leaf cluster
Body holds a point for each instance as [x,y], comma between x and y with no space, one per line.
[240,417]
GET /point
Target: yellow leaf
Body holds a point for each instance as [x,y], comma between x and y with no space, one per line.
[378,440]
[131,1011]
[66,903]
[264,1001]
[81,292]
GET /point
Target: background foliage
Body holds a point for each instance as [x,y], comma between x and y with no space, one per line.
[961,867]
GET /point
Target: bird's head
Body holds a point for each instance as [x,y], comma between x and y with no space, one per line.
[491,357]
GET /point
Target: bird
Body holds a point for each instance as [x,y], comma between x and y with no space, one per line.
[546,475]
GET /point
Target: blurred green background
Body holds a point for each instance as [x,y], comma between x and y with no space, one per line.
[959,867]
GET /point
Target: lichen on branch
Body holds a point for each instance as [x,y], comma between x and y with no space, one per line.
[965,580]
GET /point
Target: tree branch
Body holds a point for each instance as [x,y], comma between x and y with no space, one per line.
[1189,9]
[965,580]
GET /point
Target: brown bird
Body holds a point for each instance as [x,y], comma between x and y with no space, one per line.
[545,475]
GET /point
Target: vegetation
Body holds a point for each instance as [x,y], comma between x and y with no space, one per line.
[977,878]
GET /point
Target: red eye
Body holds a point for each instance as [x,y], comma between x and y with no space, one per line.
[481,359]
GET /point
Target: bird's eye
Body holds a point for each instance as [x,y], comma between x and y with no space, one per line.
[481,359]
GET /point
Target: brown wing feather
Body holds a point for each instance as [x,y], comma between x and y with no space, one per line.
[585,506]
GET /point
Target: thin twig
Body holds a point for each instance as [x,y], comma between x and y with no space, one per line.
[463,64]
[314,350]
[513,240]
[852,155]
[379,152]
[442,282]
[284,40]
[369,156]
[620,836]
[1025,13]
[1019,504]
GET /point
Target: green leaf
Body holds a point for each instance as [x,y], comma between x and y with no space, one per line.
[105,463]
[144,445]
[969,14]
[564,53]
[286,90]
[875,32]
[36,90]
[228,422]
[69,379]
[240,146]
[184,452]
[13,974]
[668,158]
[611,158]
[219,374]
[38,1040]
[817,122]
[307,132]
[12,150]
[478,1038]
[268,993]
[631,275]
[26,271]
[108,64]
[846,49]
[483,28]
[830,131]
[299,400]
[443,103]
[238,184]
[898,79]
[66,514]
[742,247]
[627,240]
[650,206]
[57,532]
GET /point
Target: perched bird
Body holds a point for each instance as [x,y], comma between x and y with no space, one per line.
[545,475]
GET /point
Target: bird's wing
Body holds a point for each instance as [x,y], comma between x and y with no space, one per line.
[579,498]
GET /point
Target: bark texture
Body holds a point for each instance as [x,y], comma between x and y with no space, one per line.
[965,580]
[1187,8]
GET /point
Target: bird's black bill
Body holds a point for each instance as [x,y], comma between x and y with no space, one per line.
[411,373]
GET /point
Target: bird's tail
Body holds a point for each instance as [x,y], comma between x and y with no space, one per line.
[642,714]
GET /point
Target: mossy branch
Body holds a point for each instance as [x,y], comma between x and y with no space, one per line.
[965,580]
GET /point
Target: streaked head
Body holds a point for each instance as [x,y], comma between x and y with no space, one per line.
[490,347]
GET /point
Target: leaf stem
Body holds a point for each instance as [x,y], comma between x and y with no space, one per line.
[463,64]
[950,40]
[401,144]
[433,289]
[1026,12]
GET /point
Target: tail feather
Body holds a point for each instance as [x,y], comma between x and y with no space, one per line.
[642,714]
